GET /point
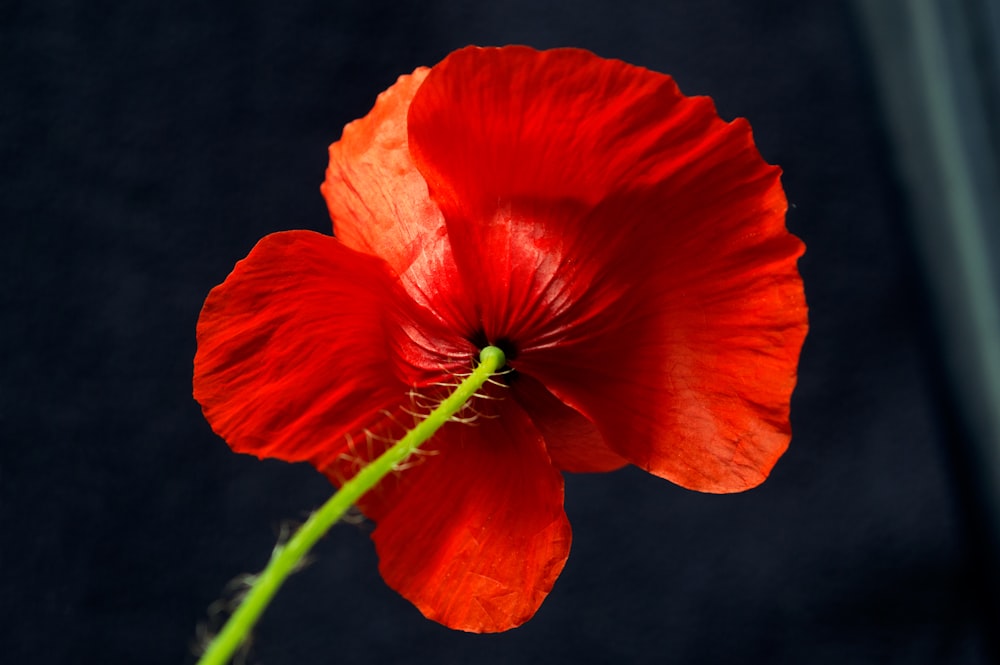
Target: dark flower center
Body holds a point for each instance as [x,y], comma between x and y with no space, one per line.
[507,346]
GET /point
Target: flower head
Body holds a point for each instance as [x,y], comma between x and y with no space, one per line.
[622,244]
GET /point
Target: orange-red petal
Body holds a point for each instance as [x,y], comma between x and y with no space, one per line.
[474,534]
[377,199]
[293,351]
[379,203]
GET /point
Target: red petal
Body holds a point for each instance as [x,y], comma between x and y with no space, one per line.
[629,244]
[293,354]
[475,535]
[572,441]
[520,147]
[694,380]
[706,404]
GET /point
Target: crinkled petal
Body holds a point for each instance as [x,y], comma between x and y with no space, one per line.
[474,534]
[627,246]
[293,354]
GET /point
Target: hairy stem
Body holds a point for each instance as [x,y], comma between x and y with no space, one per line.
[287,557]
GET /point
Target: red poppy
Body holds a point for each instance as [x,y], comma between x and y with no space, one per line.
[624,246]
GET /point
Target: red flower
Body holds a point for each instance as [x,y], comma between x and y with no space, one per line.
[621,243]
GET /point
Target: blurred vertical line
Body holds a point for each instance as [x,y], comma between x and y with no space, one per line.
[936,64]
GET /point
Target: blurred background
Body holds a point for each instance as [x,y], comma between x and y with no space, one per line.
[147,146]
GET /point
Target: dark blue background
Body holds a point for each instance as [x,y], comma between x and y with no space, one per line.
[147,146]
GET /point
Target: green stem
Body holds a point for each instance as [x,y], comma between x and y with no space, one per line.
[287,557]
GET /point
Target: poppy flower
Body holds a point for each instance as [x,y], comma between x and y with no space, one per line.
[622,244]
